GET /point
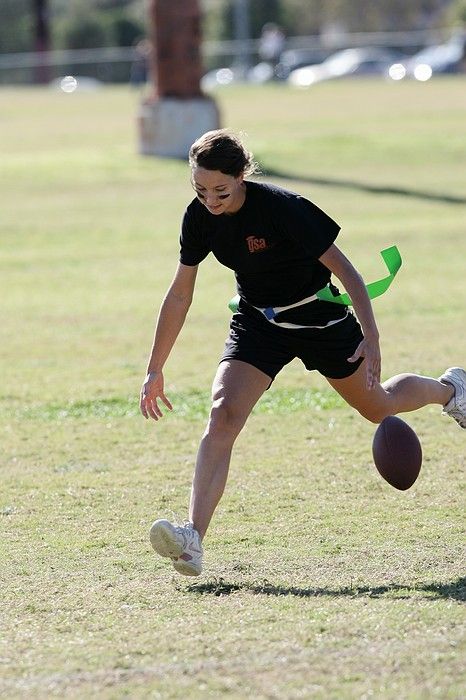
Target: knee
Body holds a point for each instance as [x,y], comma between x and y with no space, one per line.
[374,413]
[225,421]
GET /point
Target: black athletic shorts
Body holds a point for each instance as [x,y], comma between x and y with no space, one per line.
[262,344]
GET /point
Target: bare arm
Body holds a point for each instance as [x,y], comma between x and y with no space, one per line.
[170,321]
[172,315]
[369,348]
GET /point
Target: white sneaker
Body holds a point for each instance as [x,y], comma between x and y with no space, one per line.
[456,407]
[181,543]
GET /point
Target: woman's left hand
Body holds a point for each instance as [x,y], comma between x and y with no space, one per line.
[369,349]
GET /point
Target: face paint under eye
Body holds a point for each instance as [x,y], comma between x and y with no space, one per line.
[224,196]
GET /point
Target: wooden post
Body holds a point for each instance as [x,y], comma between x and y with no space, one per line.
[41,40]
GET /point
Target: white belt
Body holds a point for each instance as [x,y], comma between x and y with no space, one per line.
[271,311]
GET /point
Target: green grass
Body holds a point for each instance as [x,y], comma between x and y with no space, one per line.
[320,580]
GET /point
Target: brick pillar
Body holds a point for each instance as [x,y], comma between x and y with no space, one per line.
[177,112]
[176,35]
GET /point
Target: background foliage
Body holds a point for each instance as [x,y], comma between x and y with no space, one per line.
[97,23]
[301,18]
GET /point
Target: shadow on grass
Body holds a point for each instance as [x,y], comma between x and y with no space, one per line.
[456,590]
[365,187]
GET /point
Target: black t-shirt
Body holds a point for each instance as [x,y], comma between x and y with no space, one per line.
[272,244]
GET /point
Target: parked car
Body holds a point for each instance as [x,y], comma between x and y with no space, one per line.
[349,62]
[443,58]
[264,72]
[292,59]
[220,77]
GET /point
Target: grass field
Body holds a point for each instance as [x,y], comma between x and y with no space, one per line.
[320,580]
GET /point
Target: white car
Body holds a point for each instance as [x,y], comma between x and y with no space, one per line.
[360,61]
[444,58]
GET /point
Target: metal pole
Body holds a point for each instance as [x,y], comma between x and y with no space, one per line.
[242,34]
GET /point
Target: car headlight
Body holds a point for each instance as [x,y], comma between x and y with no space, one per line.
[423,72]
[397,71]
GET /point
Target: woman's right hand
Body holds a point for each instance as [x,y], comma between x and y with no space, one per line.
[152,389]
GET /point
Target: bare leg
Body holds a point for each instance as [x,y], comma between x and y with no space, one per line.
[402,393]
[236,389]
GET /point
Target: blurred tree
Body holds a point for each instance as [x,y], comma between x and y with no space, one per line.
[112,4]
[389,15]
[264,11]
[260,12]
[16,26]
[96,23]
[303,17]
[86,32]
[126,31]
[456,14]
[297,17]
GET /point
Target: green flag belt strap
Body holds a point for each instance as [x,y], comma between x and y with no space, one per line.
[392,259]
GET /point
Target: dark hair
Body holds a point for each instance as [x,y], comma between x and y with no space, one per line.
[222,150]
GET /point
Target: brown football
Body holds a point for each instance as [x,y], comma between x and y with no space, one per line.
[397,452]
